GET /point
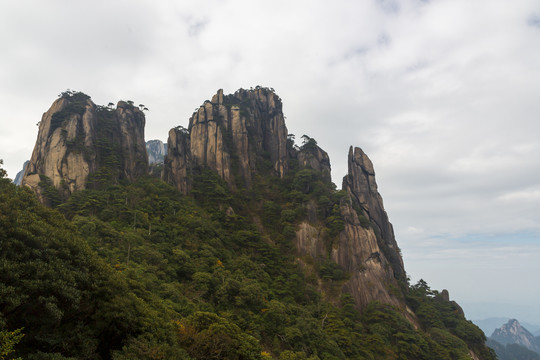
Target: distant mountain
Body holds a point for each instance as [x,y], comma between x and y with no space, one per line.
[490,324]
[156,150]
[534,329]
[513,333]
[512,351]
[20,174]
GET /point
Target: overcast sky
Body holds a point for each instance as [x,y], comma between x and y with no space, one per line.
[443,95]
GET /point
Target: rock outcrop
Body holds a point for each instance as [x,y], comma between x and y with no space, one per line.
[311,156]
[156,150]
[234,135]
[130,122]
[373,266]
[361,186]
[177,164]
[77,139]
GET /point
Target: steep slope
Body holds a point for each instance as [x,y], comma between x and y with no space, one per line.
[78,139]
[361,186]
[365,248]
[513,333]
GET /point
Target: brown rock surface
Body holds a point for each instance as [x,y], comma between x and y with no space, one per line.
[52,156]
[69,146]
[361,185]
[177,162]
[373,266]
[233,135]
[315,158]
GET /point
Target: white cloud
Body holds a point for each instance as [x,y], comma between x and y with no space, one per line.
[533,195]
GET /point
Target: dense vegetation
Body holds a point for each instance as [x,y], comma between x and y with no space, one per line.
[512,351]
[139,271]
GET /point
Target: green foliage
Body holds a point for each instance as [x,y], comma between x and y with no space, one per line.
[8,340]
[206,335]
[512,351]
[329,270]
[76,105]
[308,143]
[139,271]
[51,194]
[445,322]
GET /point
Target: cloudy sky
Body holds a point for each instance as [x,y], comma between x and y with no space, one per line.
[443,95]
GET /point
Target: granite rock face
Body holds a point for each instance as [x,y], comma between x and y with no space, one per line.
[177,163]
[313,157]
[360,184]
[76,138]
[360,250]
[232,135]
[130,122]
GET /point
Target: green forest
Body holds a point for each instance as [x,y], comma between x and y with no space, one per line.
[136,270]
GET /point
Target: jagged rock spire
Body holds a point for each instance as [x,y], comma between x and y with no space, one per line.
[361,185]
[230,135]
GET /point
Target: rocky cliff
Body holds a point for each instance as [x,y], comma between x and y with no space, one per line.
[232,135]
[369,255]
[177,165]
[361,186]
[81,144]
[311,156]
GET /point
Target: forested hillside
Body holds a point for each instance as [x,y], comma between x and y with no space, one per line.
[137,270]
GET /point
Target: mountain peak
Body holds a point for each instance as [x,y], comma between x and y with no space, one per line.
[513,333]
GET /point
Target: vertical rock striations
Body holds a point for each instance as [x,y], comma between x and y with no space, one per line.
[80,144]
[361,186]
[235,135]
[130,124]
[177,163]
[365,248]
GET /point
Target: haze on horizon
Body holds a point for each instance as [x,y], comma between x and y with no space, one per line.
[441,94]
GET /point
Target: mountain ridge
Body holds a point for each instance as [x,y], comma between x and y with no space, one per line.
[246,224]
